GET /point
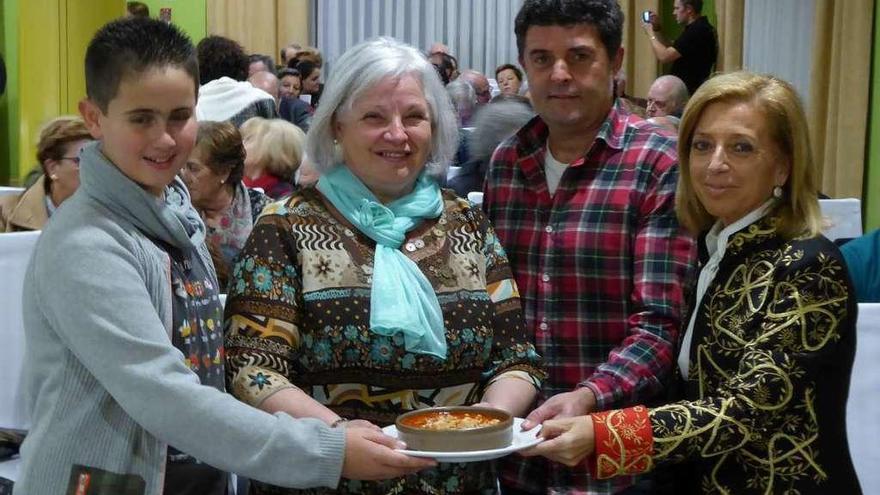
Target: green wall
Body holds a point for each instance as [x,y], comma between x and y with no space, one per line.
[8,102]
[871,182]
[189,15]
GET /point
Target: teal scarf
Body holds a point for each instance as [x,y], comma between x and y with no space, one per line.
[401,300]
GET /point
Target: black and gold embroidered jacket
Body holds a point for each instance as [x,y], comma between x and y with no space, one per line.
[764,409]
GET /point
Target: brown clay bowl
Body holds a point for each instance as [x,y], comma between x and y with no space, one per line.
[453,436]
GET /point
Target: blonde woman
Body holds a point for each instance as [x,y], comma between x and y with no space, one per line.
[274,150]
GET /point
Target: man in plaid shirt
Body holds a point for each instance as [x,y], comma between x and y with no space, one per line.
[582,198]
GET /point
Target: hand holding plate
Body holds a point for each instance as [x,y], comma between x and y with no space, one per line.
[567,440]
[566,405]
[370,455]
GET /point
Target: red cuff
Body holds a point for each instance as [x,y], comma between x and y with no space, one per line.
[624,443]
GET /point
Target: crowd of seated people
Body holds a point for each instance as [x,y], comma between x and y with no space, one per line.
[362,284]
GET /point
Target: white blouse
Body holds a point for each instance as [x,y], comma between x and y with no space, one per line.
[716,244]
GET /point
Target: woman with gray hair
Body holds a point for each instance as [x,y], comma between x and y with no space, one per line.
[375,293]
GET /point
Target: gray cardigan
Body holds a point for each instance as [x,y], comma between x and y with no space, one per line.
[106,388]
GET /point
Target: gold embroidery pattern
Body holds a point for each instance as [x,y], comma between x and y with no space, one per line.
[625,450]
[756,411]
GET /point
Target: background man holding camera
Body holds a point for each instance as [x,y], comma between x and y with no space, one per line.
[694,52]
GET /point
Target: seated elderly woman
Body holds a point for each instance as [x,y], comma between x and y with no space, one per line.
[376,293]
[58,155]
[766,358]
[213,176]
[274,149]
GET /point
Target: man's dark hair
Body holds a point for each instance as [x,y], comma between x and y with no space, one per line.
[259,57]
[697,5]
[132,46]
[604,15]
[138,9]
[221,57]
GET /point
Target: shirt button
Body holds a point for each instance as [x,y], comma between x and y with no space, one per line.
[543,326]
[545,277]
[548,229]
[420,243]
[410,247]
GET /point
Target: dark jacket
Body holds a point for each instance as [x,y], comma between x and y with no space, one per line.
[296,111]
[764,407]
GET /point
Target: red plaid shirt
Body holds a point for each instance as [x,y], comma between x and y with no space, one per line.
[600,267]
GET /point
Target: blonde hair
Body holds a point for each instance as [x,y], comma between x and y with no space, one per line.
[56,134]
[778,101]
[277,144]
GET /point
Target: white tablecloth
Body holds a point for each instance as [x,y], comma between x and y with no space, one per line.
[15,251]
[863,408]
[9,469]
[4,190]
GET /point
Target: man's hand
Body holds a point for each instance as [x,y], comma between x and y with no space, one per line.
[653,25]
[566,405]
[568,440]
[369,455]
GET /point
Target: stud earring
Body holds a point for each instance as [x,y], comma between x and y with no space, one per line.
[54,176]
[777,192]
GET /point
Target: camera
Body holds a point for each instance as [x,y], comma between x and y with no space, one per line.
[646,16]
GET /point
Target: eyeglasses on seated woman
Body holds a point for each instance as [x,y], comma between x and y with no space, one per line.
[765,361]
[375,293]
[61,140]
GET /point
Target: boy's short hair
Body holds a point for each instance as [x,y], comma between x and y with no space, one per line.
[604,15]
[131,46]
[222,57]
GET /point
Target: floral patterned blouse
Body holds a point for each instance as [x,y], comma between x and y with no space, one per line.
[298,316]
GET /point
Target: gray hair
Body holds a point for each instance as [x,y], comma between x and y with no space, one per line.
[361,68]
[463,97]
[494,123]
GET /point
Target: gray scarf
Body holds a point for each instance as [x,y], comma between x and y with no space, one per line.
[171,219]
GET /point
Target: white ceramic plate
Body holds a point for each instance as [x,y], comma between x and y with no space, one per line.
[521,440]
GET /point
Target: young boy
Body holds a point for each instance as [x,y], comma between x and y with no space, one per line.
[122,319]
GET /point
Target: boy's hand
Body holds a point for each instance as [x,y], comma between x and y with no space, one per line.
[369,455]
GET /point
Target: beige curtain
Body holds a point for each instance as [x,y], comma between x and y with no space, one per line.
[730,14]
[261,26]
[839,86]
[639,63]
